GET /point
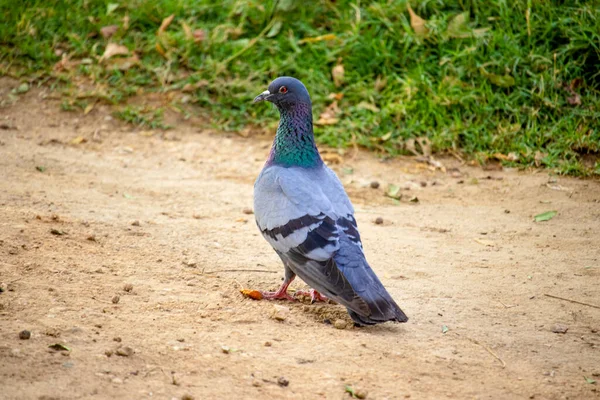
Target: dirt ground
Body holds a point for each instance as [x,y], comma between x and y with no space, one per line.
[129,248]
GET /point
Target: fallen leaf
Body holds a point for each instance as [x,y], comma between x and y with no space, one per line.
[574,100]
[40,168]
[59,347]
[335,96]
[123,63]
[386,137]
[110,7]
[445,329]
[590,380]
[393,192]
[199,35]
[57,232]
[113,49]
[498,80]
[78,140]
[160,50]
[484,242]
[329,115]
[226,349]
[253,294]
[88,108]
[23,88]
[368,106]
[108,31]
[414,199]
[275,29]
[417,23]
[127,196]
[329,36]
[165,24]
[546,216]
[332,158]
[338,75]
[187,30]
[457,27]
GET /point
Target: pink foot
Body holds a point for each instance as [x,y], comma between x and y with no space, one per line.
[280,294]
[314,295]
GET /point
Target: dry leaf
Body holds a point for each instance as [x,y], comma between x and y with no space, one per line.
[368,106]
[329,116]
[165,24]
[380,83]
[160,50]
[487,243]
[187,30]
[417,23]
[332,158]
[191,87]
[108,31]
[338,75]
[78,140]
[329,36]
[199,35]
[123,64]
[88,108]
[335,96]
[113,49]
[253,294]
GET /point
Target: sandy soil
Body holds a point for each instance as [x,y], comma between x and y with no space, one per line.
[130,250]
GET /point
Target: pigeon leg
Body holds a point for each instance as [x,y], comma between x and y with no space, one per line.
[281,293]
[314,295]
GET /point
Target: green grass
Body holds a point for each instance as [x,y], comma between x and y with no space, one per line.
[493,80]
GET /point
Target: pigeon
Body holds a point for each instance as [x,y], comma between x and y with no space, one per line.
[303,211]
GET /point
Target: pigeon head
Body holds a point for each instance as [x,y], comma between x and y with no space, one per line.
[285,92]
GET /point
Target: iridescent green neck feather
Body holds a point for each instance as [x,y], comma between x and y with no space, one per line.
[294,144]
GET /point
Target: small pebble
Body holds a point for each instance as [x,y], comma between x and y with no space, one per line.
[559,328]
[115,299]
[24,335]
[281,381]
[128,287]
[507,211]
[247,211]
[135,223]
[108,353]
[125,351]
[117,380]
[378,221]
[280,313]
[117,339]
[360,394]
[187,397]
[268,344]
[374,185]
[339,324]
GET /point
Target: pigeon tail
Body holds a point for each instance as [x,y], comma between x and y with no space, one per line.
[352,263]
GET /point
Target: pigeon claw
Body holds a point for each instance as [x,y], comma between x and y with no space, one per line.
[278,295]
[314,295]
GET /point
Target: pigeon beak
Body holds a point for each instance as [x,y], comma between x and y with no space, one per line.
[262,97]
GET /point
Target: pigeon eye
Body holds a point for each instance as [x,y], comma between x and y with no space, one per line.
[283,89]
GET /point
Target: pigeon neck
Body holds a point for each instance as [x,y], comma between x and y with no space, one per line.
[294,144]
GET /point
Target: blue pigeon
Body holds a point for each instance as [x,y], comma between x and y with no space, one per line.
[302,210]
